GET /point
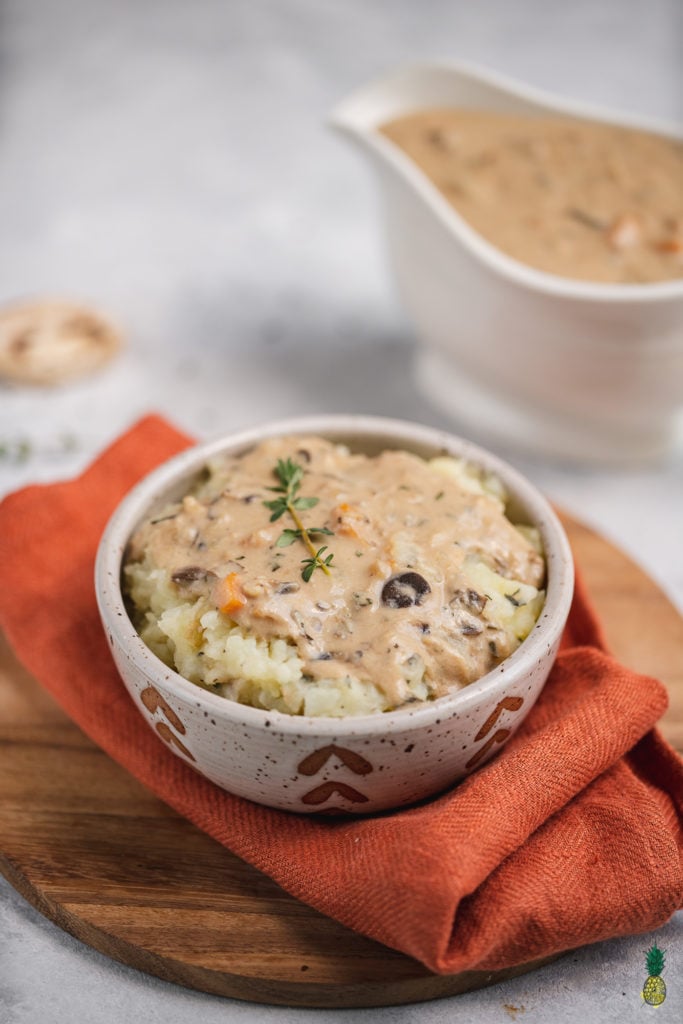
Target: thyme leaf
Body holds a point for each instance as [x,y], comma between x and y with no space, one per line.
[302,503]
[317,562]
[286,538]
[289,475]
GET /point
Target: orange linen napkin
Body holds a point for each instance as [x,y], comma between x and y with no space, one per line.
[571,835]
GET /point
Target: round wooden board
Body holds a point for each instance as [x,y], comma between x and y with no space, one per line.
[107,861]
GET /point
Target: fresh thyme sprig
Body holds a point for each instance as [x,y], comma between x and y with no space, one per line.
[290,475]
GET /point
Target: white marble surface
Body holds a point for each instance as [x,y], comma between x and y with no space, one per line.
[168,162]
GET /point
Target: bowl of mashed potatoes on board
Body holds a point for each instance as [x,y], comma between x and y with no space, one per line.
[328,610]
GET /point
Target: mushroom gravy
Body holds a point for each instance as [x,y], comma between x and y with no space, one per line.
[571,197]
[428,581]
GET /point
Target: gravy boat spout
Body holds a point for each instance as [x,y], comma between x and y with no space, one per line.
[561,367]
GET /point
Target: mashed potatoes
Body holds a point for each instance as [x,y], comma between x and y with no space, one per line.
[307,579]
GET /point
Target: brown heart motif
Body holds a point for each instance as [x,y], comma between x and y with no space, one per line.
[172,740]
[312,764]
[153,701]
[499,736]
[327,789]
[506,704]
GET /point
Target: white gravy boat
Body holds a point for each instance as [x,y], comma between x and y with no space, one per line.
[561,367]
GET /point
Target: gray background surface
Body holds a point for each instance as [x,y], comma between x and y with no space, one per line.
[169,162]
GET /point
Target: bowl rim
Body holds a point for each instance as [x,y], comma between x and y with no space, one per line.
[344,118]
[343,427]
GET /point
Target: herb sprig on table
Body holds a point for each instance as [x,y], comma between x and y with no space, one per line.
[290,475]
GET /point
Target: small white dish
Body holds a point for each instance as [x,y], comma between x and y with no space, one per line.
[560,367]
[355,765]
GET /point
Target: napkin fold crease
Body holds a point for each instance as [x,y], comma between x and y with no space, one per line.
[573,834]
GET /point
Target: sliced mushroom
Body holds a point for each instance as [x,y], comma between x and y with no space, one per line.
[469,599]
[404,590]
[192,574]
[287,588]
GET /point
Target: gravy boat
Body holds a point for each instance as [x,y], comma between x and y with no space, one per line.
[560,367]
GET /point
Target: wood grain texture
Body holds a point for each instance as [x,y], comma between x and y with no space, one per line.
[108,862]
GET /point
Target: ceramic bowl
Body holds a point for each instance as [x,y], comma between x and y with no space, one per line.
[581,370]
[354,765]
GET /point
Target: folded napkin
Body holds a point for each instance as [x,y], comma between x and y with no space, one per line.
[574,833]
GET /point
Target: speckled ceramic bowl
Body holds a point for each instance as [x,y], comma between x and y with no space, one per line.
[330,765]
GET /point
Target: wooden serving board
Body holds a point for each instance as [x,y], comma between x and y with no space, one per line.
[95,852]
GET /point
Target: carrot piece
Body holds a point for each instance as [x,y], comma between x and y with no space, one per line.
[228,594]
[673,244]
[348,520]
